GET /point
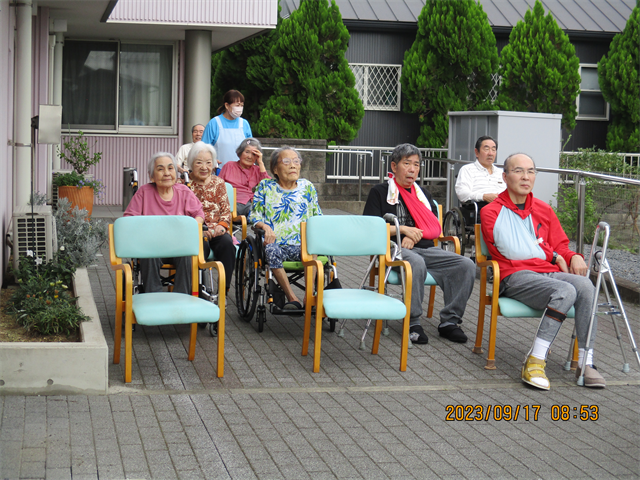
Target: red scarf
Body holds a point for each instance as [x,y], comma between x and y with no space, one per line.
[423,217]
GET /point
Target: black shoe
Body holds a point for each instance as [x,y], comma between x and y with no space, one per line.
[417,335]
[453,333]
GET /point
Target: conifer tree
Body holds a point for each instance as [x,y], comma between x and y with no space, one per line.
[449,66]
[245,67]
[539,68]
[314,93]
[618,77]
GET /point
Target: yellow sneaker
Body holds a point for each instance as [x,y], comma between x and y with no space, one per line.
[533,373]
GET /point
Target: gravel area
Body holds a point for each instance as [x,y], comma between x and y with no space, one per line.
[623,264]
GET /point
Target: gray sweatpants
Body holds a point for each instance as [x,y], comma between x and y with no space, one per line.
[150,274]
[454,273]
[559,291]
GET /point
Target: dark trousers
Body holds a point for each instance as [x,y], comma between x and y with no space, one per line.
[223,251]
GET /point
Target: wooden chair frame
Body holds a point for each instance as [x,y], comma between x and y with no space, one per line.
[124,274]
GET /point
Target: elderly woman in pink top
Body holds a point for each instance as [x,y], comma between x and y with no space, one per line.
[246,173]
[163,196]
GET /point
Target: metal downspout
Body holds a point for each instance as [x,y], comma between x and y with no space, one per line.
[22,115]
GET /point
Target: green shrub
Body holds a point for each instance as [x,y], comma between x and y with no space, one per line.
[42,302]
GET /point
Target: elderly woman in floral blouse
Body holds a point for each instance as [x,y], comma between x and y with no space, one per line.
[279,206]
[212,193]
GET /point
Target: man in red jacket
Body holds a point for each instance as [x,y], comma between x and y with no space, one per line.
[537,268]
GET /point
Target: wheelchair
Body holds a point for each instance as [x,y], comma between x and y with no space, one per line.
[460,222]
[257,290]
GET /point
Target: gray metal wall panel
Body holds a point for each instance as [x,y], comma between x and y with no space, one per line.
[387,129]
[587,134]
[591,51]
[386,47]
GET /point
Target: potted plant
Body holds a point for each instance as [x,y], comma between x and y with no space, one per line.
[75,186]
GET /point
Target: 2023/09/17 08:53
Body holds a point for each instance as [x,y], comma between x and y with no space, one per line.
[471,413]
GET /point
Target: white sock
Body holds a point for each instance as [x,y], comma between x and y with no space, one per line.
[581,352]
[540,348]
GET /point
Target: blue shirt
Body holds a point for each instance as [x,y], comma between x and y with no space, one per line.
[211,133]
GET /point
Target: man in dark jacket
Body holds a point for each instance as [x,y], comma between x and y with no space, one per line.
[418,218]
[537,268]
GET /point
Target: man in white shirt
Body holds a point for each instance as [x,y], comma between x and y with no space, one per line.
[181,157]
[481,181]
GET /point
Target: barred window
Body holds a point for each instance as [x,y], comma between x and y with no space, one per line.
[378,85]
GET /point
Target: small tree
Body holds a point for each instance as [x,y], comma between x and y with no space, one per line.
[449,66]
[314,94]
[539,68]
[618,76]
[245,67]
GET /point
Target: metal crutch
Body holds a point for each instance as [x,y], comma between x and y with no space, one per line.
[599,262]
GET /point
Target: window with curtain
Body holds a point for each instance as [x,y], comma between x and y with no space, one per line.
[122,87]
[591,103]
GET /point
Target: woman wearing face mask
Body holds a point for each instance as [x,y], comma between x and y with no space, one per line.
[228,129]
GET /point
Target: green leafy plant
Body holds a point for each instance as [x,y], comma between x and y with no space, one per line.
[82,237]
[314,88]
[567,211]
[42,303]
[76,153]
[449,66]
[620,83]
[74,179]
[539,68]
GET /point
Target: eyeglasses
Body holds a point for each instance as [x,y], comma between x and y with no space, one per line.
[287,161]
[521,171]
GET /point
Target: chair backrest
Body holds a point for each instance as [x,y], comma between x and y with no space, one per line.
[347,235]
[231,193]
[156,236]
[482,252]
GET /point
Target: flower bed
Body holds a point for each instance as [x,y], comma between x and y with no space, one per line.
[60,368]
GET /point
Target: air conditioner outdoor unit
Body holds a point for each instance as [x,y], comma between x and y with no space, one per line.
[54,187]
[35,232]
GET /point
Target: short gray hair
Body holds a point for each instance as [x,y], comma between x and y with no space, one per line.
[198,148]
[403,151]
[508,159]
[254,142]
[151,166]
[276,154]
[197,125]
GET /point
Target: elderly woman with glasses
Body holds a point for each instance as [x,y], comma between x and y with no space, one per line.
[163,196]
[279,206]
[245,174]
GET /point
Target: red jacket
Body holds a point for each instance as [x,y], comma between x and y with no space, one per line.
[523,239]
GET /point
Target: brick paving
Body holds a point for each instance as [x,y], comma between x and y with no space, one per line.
[270,417]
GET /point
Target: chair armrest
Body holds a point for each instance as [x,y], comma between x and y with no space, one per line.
[455,240]
[243,221]
[496,272]
[409,278]
[222,281]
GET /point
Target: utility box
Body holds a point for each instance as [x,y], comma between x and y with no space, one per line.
[33,231]
[539,135]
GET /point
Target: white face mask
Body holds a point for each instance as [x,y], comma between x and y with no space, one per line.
[235,112]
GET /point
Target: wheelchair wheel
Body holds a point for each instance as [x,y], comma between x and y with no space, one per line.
[247,289]
[213,329]
[262,317]
[453,226]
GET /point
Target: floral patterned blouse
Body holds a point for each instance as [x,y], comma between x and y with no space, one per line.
[284,210]
[215,202]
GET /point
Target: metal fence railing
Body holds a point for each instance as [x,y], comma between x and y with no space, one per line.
[344,164]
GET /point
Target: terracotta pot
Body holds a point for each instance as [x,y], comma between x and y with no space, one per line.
[81,197]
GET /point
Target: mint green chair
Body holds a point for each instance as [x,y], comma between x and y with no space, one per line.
[503,306]
[351,235]
[162,237]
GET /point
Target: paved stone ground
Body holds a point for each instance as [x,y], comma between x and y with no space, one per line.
[270,417]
